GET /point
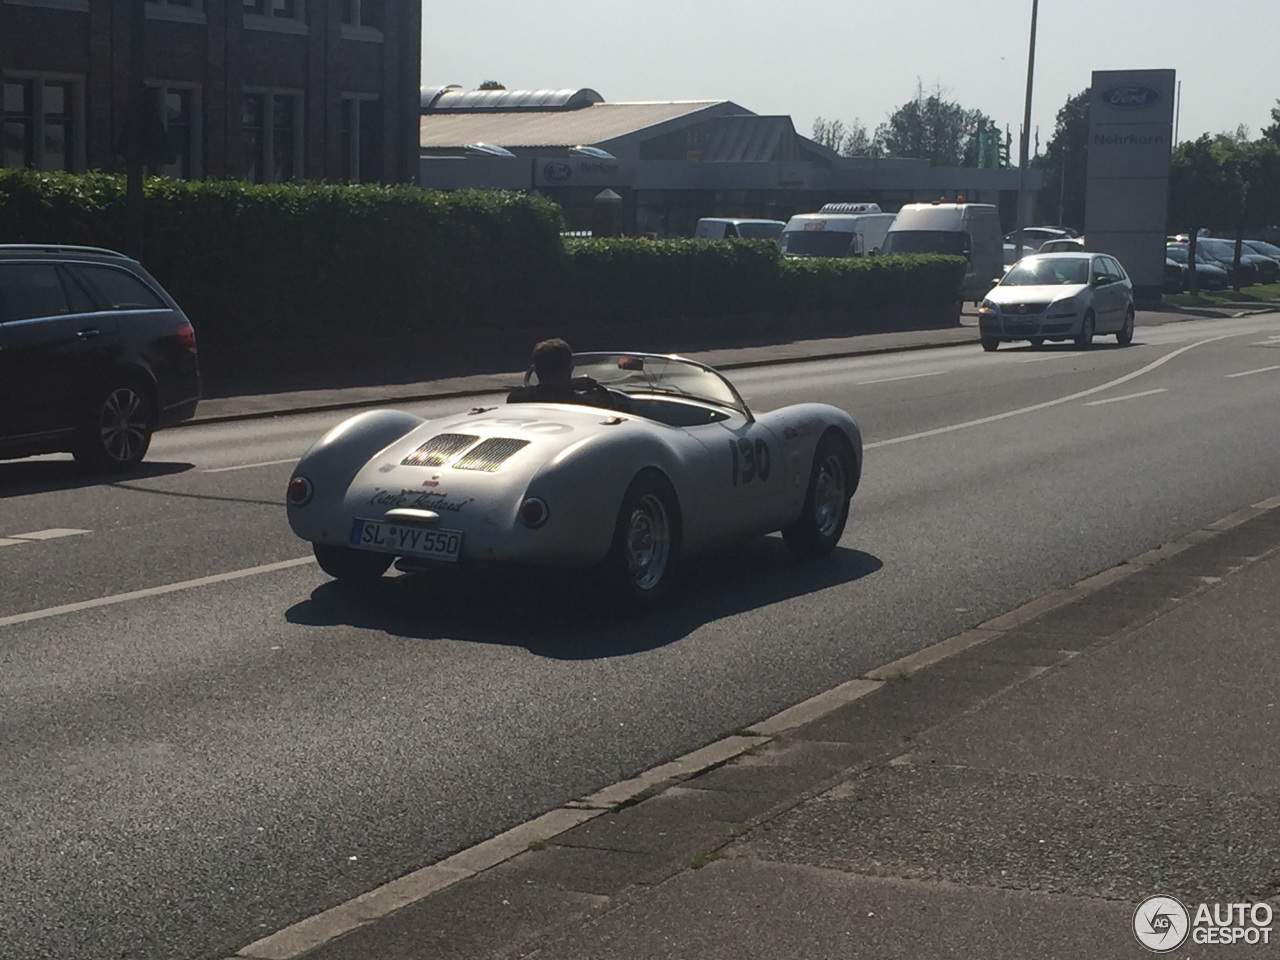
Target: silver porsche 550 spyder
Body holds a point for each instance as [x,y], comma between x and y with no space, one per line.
[659,459]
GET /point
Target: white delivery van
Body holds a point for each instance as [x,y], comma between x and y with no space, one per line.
[837,230]
[724,228]
[970,230]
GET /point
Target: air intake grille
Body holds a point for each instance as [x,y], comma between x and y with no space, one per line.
[438,449]
[490,455]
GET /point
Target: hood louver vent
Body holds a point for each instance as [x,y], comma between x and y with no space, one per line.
[436,451]
[490,455]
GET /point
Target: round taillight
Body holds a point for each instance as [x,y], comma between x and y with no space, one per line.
[533,512]
[300,491]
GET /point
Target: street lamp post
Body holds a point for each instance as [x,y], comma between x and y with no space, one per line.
[1024,165]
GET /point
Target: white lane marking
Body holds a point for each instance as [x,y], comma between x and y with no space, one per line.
[938,431]
[151,592]
[51,534]
[6,542]
[1052,356]
[1247,373]
[250,466]
[1127,396]
[910,376]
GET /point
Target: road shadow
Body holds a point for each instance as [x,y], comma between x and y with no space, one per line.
[20,478]
[560,616]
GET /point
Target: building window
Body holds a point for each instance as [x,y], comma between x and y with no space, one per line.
[178,106]
[277,9]
[186,11]
[361,138]
[43,124]
[272,136]
[362,13]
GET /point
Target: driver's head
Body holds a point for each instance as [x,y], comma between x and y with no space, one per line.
[553,362]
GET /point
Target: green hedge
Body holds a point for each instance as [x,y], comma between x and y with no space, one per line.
[269,262]
[272,263]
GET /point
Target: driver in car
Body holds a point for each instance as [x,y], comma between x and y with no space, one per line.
[553,364]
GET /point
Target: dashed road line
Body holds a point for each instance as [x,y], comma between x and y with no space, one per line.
[1127,396]
[910,376]
[1247,373]
[250,466]
[53,533]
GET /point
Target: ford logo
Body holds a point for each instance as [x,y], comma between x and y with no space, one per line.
[1128,95]
[557,172]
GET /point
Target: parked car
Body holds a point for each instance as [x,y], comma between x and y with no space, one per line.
[94,356]
[1062,245]
[969,230]
[1034,236]
[726,228]
[1223,253]
[627,482]
[1059,296]
[1209,275]
[1175,276]
[1268,252]
[837,230]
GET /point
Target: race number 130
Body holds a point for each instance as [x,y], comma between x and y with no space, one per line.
[750,461]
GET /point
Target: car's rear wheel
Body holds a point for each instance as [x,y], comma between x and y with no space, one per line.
[990,344]
[117,429]
[826,503]
[1084,339]
[1125,336]
[350,565]
[646,542]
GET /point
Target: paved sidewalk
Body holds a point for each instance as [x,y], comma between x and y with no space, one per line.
[261,398]
[1013,792]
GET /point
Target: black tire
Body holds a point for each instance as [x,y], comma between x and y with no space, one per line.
[1125,335]
[639,567]
[116,432]
[1084,339]
[832,480]
[350,565]
[1037,343]
[990,344]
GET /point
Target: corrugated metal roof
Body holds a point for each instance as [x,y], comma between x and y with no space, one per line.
[750,139]
[521,129]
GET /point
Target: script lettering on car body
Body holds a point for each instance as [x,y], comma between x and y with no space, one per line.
[431,500]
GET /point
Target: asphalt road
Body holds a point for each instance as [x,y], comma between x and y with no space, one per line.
[190,768]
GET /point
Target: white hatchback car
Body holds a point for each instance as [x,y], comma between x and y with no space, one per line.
[1059,296]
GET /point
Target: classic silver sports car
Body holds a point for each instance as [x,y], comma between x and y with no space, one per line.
[662,458]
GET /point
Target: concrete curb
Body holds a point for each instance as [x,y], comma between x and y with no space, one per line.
[316,931]
[416,397]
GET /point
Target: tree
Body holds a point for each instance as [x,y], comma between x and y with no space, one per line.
[1272,132]
[491,85]
[931,128]
[1205,188]
[1065,163]
[848,141]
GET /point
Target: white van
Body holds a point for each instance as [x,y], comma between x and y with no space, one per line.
[723,228]
[970,230]
[834,232]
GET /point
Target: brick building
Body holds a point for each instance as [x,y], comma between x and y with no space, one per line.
[261,90]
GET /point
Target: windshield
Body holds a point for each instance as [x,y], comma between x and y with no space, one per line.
[1037,272]
[926,241]
[760,231]
[815,243]
[634,373]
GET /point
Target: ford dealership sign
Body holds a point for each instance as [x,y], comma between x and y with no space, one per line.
[1126,96]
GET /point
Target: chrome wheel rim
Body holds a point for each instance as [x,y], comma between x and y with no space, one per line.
[124,425]
[828,496]
[648,542]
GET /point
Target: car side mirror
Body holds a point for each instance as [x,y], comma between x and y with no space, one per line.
[1099,279]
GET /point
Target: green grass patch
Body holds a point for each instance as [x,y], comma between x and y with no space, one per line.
[1258,293]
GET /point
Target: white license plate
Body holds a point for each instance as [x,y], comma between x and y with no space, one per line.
[407,541]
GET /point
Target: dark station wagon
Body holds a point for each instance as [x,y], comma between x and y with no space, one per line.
[94,356]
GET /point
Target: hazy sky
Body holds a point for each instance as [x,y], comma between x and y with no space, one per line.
[854,59]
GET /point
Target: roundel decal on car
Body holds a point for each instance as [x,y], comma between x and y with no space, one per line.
[1126,96]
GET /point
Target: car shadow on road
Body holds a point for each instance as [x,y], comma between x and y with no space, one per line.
[559,615]
[22,477]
